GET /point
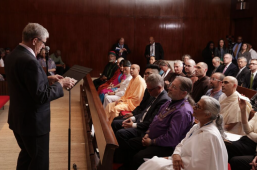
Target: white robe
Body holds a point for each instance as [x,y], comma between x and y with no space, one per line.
[202,148]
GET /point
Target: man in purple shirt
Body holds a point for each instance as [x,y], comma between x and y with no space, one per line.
[167,129]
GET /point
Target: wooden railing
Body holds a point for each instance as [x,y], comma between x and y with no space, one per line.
[100,147]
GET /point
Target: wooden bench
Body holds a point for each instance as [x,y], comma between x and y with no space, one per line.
[100,147]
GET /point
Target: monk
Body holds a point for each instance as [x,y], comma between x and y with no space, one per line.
[132,97]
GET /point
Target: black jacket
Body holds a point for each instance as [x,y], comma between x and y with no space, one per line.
[124,54]
[231,70]
[153,110]
[30,93]
[240,77]
[247,81]
[159,53]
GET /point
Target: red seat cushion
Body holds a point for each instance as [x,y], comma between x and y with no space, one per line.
[229,168]
[3,100]
[124,112]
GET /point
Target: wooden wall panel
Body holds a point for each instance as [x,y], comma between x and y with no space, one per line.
[85,30]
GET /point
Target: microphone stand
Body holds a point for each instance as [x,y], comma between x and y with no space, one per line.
[47,56]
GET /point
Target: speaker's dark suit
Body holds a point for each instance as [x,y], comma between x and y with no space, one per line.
[159,53]
[241,76]
[124,53]
[247,81]
[29,112]
[231,70]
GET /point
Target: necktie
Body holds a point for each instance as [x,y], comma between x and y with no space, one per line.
[251,81]
[224,70]
[143,117]
[235,51]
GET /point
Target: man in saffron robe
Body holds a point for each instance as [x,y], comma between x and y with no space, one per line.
[132,97]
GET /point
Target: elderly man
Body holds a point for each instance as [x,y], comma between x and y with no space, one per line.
[229,68]
[30,97]
[154,49]
[229,108]
[117,94]
[250,80]
[201,86]
[178,68]
[216,86]
[217,67]
[190,70]
[108,72]
[243,70]
[137,125]
[121,49]
[132,97]
[168,127]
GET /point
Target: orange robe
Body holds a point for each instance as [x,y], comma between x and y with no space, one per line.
[131,99]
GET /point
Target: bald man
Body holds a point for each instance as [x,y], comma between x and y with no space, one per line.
[154,49]
[190,70]
[201,86]
[132,97]
[229,107]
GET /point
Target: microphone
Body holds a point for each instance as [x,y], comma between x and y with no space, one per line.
[47,48]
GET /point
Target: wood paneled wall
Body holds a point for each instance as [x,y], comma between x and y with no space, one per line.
[85,30]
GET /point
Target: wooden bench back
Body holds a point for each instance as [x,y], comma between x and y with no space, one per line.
[245,91]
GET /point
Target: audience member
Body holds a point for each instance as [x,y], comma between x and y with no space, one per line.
[217,67]
[165,67]
[250,80]
[154,49]
[115,84]
[221,50]
[2,55]
[121,49]
[168,127]
[229,108]
[152,60]
[137,125]
[108,71]
[60,66]
[42,62]
[243,70]
[178,67]
[118,93]
[244,52]
[184,59]
[252,51]
[110,81]
[132,97]
[242,151]
[190,70]
[229,68]
[203,146]
[237,47]
[201,86]
[208,55]
[216,86]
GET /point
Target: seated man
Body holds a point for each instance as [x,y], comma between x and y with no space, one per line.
[250,80]
[217,66]
[201,86]
[229,108]
[121,49]
[131,98]
[229,69]
[108,72]
[178,68]
[243,70]
[190,70]
[216,86]
[60,66]
[167,129]
[117,94]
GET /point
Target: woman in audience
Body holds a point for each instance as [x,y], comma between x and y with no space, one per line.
[208,55]
[115,84]
[167,70]
[242,152]
[115,75]
[203,146]
[245,53]
[152,60]
[42,61]
[221,50]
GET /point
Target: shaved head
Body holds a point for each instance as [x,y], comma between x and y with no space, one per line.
[134,70]
[229,85]
[191,61]
[232,79]
[204,65]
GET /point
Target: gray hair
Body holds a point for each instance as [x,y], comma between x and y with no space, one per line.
[186,55]
[155,80]
[216,59]
[230,56]
[186,85]
[191,61]
[179,62]
[34,30]
[242,58]
[212,106]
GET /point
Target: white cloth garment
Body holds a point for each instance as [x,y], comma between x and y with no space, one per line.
[1,63]
[253,53]
[109,99]
[202,148]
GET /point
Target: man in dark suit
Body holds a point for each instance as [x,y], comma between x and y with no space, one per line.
[250,80]
[237,47]
[154,49]
[30,96]
[243,70]
[217,67]
[229,69]
[121,49]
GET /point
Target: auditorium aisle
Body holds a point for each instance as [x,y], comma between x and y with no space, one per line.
[58,136]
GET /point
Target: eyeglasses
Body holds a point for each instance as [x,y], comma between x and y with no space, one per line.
[197,107]
[150,90]
[214,79]
[173,86]
[42,41]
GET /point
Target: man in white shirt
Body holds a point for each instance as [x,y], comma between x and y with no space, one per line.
[252,51]
[250,80]
[243,70]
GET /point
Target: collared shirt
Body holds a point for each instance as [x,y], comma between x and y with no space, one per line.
[253,53]
[215,94]
[28,48]
[254,73]
[165,74]
[226,67]
[240,71]
[152,49]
